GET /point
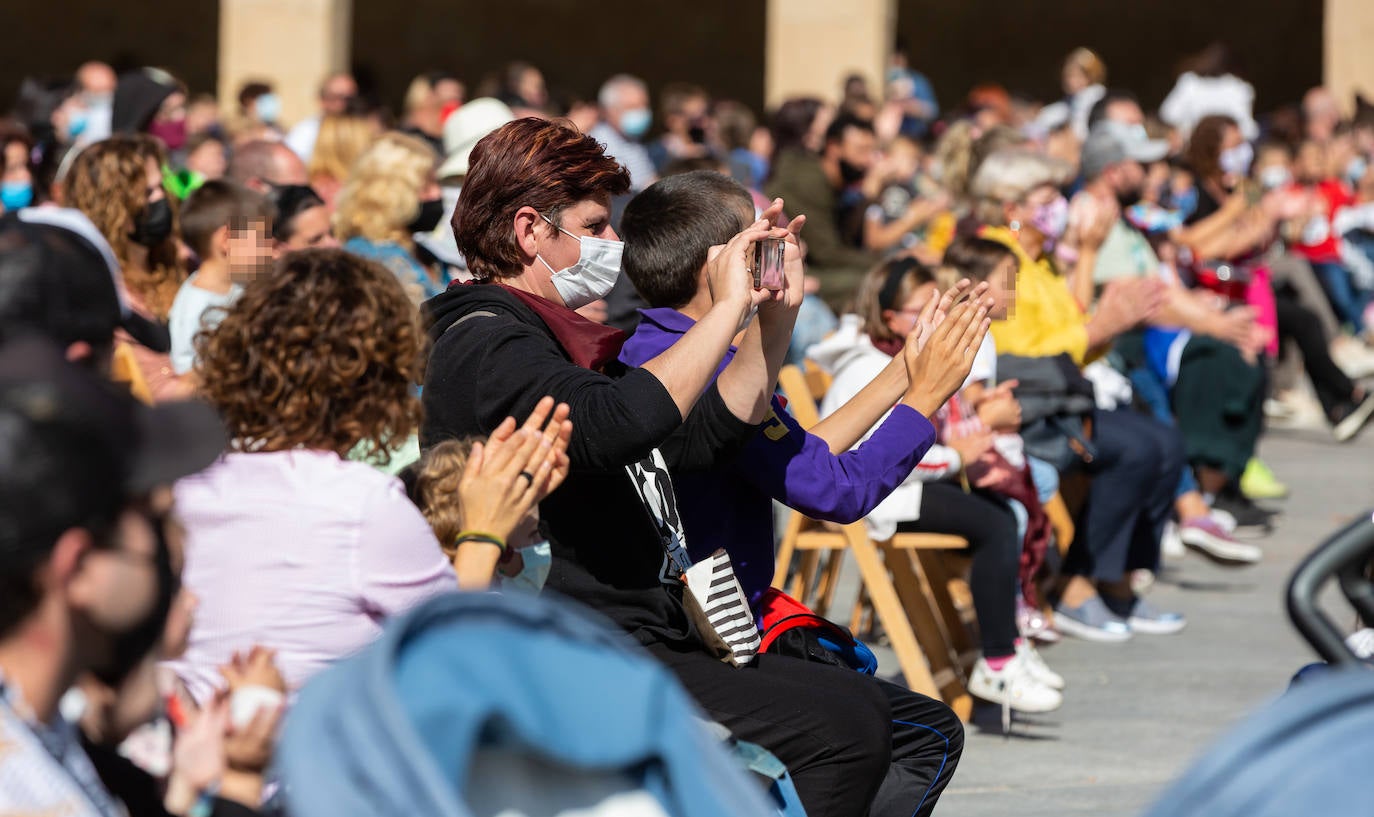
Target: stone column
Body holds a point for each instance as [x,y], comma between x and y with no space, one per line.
[813,44]
[1348,58]
[292,43]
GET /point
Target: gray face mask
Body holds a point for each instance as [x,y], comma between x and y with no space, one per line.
[594,274]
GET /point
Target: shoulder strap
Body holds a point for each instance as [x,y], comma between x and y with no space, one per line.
[481,313]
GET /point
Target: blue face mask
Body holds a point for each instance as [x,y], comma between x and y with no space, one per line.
[76,125]
[1355,170]
[635,122]
[269,108]
[16,195]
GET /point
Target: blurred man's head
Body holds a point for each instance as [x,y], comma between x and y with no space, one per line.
[96,79]
[624,104]
[1321,113]
[261,164]
[57,280]
[670,228]
[1115,155]
[85,574]
[850,150]
[336,92]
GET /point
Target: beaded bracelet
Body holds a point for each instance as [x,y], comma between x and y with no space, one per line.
[479,536]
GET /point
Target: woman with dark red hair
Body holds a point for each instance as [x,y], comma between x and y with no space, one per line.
[534,225]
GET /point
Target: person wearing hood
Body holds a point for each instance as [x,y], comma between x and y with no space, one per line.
[534,224]
[150,101]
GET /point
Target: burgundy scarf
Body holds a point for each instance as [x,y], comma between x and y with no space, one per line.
[589,344]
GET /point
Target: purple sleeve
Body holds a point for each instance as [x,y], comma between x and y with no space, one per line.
[798,470]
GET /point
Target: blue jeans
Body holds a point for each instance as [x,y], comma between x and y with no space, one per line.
[1348,302]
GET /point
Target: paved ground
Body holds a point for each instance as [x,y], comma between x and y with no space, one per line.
[1136,714]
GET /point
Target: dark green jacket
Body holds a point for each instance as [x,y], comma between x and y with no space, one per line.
[801,183]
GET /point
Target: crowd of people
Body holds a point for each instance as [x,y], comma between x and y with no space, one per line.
[264,389]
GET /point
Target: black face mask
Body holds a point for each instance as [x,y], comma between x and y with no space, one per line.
[154,225]
[1128,200]
[851,173]
[697,133]
[431,213]
[129,648]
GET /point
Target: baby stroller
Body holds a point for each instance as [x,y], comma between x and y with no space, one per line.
[1312,751]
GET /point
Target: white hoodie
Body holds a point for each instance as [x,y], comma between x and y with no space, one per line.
[853,362]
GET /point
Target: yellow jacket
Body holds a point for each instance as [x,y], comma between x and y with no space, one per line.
[1045,320]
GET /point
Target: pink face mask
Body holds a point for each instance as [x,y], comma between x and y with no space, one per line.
[1052,219]
[172,134]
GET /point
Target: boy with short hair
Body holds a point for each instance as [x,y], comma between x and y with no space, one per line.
[669,230]
[229,228]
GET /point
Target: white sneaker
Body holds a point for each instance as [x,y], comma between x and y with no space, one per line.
[1224,519]
[1361,642]
[1014,687]
[1037,668]
[1171,545]
[1352,357]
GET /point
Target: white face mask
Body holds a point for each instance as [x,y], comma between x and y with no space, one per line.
[1274,177]
[594,274]
[1236,160]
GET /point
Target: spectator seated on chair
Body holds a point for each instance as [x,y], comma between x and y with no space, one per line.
[892,299]
[669,230]
[1135,460]
[534,225]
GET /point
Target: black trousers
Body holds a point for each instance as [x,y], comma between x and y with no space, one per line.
[854,745]
[1135,473]
[1304,328]
[990,528]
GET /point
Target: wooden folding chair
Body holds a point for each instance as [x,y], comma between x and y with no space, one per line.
[901,600]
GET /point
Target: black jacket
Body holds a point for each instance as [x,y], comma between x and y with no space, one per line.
[606,551]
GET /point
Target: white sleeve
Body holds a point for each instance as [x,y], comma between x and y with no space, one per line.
[984,368]
[1174,109]
[182,324]
[1356,217]
[302,138]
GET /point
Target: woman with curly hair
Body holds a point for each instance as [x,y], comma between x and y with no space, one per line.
[312,361]
[391,195]
[117,183]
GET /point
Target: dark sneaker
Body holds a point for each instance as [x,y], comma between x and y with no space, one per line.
[1250,518]
[1347,420]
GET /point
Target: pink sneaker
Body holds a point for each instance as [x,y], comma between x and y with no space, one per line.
[1204,535]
